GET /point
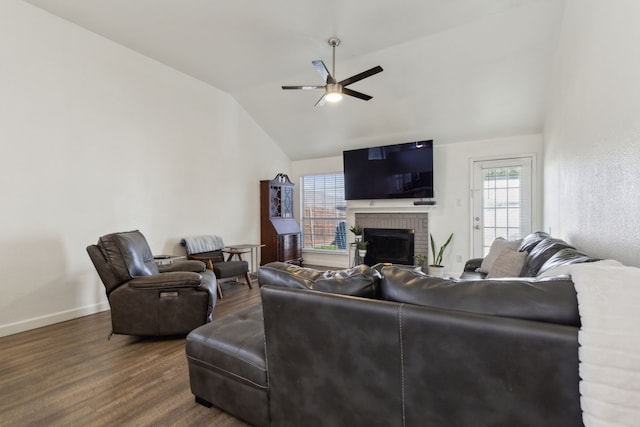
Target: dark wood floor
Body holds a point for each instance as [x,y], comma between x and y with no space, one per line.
[69,374]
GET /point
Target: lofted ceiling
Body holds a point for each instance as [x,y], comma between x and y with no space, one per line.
[454,70]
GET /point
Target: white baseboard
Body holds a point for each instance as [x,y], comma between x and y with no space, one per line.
[50,319]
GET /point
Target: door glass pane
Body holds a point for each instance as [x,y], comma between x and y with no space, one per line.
[501,204]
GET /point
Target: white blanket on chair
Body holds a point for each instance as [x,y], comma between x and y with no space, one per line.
[204,243]
[609,352]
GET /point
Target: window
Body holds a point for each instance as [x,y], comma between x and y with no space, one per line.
[324,212]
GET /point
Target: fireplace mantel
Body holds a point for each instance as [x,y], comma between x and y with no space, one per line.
[386,206]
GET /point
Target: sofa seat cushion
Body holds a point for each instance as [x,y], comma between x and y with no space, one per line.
[232,346]
[359,281]
[549,300]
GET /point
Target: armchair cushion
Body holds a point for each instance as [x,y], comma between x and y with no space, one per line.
[230,269]
[128,254]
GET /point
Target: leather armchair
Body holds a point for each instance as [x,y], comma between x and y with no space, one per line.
[148,300]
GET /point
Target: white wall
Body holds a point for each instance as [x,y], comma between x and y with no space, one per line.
[592,131]
[452,164]
[95,139]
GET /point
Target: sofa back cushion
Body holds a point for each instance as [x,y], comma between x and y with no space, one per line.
[549,300]
[544,250]
[564,257]
[358,281]
[532,240]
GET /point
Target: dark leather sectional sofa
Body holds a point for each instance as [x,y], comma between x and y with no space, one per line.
[391,346]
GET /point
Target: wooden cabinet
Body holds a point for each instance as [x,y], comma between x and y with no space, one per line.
[279,231]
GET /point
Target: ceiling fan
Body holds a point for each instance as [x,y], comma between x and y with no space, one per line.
[333,90]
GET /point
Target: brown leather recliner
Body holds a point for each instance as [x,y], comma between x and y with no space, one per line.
[151,300]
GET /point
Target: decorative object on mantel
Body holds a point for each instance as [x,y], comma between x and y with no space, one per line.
[357,231]
[437,269]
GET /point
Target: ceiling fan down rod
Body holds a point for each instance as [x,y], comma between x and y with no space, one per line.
[333,42]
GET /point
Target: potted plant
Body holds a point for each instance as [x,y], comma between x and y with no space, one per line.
[357,231]
[421,261]
[436,268]
[362,249]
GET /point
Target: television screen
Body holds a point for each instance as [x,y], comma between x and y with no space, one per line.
[400,171]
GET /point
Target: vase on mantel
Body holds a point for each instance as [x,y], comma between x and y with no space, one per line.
[436,270]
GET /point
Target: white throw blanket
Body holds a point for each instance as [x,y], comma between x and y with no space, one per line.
[609,353]
[204,243]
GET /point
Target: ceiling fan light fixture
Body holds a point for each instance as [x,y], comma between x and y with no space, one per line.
[334,89]
[333,92]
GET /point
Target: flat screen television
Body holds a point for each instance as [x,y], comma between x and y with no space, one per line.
[399,171]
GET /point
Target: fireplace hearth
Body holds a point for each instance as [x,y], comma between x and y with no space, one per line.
[389,245]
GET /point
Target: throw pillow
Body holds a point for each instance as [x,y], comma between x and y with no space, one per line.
[508,264]
[498,245]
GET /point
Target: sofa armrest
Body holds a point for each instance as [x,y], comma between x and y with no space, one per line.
[183,279]
[473,264]
[187,265]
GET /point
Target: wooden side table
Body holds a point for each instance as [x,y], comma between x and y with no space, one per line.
[244,248]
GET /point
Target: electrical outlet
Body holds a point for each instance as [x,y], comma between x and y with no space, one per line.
[458,258]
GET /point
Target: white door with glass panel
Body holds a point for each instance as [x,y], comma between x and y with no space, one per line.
[501,200]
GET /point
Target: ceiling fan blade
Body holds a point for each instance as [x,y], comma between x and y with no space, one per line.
[321,101]
[363,75]
[308,87]
[347,91]
[324,71]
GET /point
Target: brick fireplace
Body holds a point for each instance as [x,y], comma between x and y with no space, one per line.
[418,222]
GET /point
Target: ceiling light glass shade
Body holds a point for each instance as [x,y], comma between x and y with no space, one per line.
[333,97]
[334,92]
